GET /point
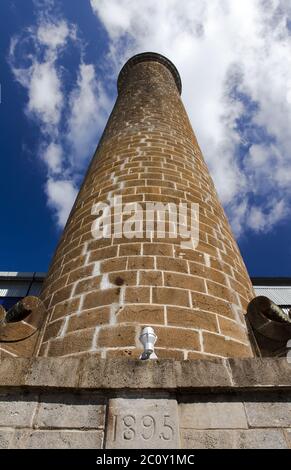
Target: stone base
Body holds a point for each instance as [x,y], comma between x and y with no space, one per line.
[92,403]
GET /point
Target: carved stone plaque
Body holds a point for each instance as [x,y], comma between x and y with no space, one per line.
[141,423]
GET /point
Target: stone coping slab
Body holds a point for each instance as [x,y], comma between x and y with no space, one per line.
[89,372]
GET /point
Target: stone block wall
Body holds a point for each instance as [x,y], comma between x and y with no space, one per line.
[104,404]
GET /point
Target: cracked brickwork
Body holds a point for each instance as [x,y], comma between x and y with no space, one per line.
[100,293]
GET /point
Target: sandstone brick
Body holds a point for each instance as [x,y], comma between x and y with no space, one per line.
[184,281]
[158,249]
[126,278]
[150,278]
[66,308]
[132,353]
[103,253]
[192,356]
[117,336]
[71,251]
[197,269]
[187,254]
[275,413]
[16,410]
[64,439]
[89,318]
[170,296]
[80,273]
[141,262]
[244,303]
[97,244]
[131,249]
[224,346]
[43,349]
[192,318]
[180,338]
[113,264]
[213,413]
[212,304]
[58,284]
[206,248]
[241,289]
[5,438]
[172,264]
[73,264]
[232,329]
[137,295]
[70,411]
[101,298]
[53,329]
[88,285]
[62,295]
[233,439]
[218,290]
[221,266]
[72,343]
[167,353]
[142,314]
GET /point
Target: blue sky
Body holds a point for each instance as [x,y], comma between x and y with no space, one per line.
[58,67]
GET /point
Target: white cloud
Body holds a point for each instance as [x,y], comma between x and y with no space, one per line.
[61,196]
[235,63]
[55,35]
[69,122]
[53,157]
[40,74]
[88,110]
[37,71]
[231,55]
[264,221]
[45,95]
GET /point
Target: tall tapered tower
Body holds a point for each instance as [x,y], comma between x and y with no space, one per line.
[100,292]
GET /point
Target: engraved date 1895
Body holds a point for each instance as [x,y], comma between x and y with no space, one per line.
[145,427]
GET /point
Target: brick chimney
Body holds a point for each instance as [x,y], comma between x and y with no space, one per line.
[100,293]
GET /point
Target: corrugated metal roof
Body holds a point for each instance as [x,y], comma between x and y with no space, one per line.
[35,289]
[14,289]
[10,275]
[280,295]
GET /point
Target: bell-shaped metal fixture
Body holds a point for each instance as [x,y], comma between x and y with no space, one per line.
[148,339]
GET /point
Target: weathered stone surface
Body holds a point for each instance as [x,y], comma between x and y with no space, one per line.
[17,409]
[59,440]
[213,414]
[261,372]
[5,438]
[232,439]
[273,412]
[136,374]
[288,437]
[141,423]
[70,411]
[142,410]
[53,372]
[91,372]
[203,373]
[13,370]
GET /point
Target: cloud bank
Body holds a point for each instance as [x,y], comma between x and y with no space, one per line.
[69,120]
[234,58]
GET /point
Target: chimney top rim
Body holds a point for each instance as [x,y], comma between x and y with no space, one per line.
[145,57]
